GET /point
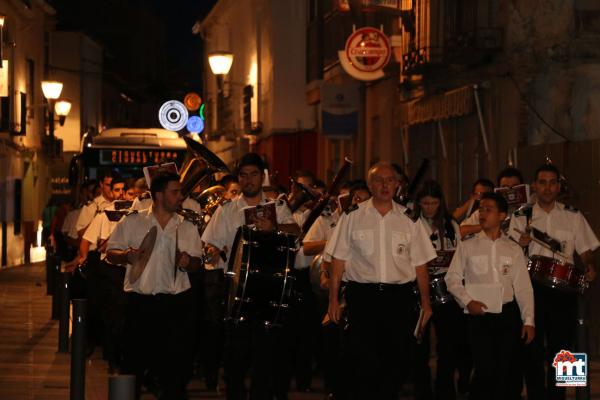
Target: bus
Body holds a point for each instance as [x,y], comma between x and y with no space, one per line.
[125,151]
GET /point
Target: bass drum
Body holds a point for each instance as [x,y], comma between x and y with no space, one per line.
[315,277]
[260,279]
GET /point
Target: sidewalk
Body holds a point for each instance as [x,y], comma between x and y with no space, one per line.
[31,369]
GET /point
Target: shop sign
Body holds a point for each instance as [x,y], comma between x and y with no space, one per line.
[367,53]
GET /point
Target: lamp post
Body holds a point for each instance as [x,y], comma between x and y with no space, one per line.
[2,18]
[52,90]
[220,64]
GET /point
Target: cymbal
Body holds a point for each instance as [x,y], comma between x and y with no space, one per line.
[202,151]
[145,249]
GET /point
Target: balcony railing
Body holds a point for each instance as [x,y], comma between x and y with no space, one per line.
[467,48]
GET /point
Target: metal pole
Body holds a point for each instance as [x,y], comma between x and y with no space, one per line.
[65,303]
[121,387]
[486,146]
[56,291]
[78,350]
[582,393]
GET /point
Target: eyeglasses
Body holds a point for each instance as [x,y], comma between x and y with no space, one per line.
[380,181]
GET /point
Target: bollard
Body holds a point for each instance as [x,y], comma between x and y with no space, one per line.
[56,292]
[50,259]
[121,387]
[77,390]
[63,321]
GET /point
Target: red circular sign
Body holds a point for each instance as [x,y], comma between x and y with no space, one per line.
[368,49]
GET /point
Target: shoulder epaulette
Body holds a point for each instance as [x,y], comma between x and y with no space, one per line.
[87,203]
[225,201]
[410,213]
[145,196]
[571,208]
[467,237]
[524,211]
[353,207]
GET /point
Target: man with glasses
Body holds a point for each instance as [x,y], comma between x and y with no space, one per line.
[380,252]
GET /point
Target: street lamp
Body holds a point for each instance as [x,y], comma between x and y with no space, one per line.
[52,90]
[62,108]
[220,62]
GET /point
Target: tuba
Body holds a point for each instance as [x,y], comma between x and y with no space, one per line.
[200,168]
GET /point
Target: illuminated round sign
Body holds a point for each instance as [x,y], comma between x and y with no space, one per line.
[192,101]
[368,49]
[195,124]
[173,115]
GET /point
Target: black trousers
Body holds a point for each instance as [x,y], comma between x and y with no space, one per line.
[250,347]
[93,290]
[494,339]
[159,336]
[381,321]
[113,308]
[302,328]
[211,338]
[453,354]
[555,324]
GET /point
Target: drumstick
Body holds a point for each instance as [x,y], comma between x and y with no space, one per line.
[543,244]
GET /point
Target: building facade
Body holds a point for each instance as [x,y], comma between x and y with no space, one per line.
[260,104]
[24,177]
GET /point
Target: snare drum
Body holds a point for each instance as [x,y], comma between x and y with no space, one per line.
[556,274]
[260,276]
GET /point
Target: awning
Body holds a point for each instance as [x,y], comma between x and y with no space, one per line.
[453,103]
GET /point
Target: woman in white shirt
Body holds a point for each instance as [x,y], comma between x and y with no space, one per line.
[448,318]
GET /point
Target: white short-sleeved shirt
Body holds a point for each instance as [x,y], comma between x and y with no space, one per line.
[159,274]
[68,227]
[89,211]
[472,219]
[380,249]
[223,225]
[493,264]
[322,229]
[302,261]
[100,229]
[565,224]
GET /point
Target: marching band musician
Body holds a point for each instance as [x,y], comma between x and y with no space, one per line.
[314,243]
[107,298]
[448,318]
[556,311]
[95,206]
[304,322]
[250,345]
[232,187]
[470,209]
[495,275]
[379,251]
[161,309]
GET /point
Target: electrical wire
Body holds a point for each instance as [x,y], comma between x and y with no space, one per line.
[534,110]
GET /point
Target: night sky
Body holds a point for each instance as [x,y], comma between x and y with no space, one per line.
[183,49]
